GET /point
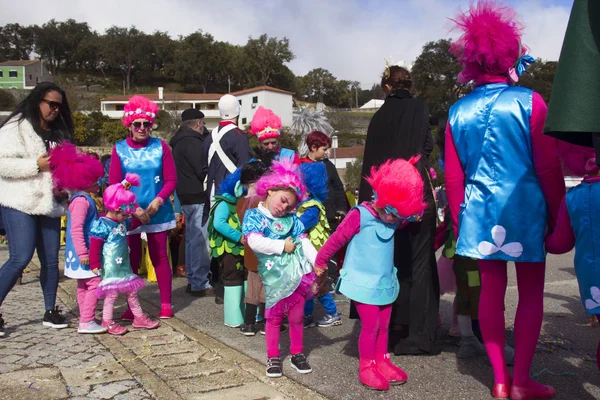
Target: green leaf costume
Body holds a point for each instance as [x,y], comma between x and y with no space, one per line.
[220,244]
[319,233]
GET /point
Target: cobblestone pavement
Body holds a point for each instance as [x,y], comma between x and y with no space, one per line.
[174,361]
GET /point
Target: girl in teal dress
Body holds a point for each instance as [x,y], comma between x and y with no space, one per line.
[109,256]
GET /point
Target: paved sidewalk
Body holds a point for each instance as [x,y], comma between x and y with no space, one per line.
[174,361]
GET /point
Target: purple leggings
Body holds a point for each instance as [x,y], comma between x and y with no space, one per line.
[157,246]
[375,321]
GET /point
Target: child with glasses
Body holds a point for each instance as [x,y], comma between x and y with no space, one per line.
[109,256]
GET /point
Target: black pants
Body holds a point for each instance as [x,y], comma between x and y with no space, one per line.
[415,311]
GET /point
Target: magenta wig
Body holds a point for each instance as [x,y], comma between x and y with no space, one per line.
[284,175]
[577,160]
[73,169]
[118,197]
[265,124]
[490,42]
[398,184]
[139,107]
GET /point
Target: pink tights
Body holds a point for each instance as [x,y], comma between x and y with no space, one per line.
[86,298]
[528,320]
[157,246]
[373,339]
[272,331]
[109,306]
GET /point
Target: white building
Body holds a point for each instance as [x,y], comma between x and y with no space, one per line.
[280,101]
[372,104]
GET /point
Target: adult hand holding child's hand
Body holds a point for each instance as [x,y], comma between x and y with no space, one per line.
[289,246]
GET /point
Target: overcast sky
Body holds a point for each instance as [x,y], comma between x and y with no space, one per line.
[350,38]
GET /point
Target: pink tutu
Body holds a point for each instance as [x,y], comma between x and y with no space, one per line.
[132,285]
[306,290]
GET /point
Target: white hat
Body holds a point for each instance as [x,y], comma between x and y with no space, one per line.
[229,107]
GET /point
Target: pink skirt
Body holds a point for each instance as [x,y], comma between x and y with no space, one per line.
[307,288]
[113,289]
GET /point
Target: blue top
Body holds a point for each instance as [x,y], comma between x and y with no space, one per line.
[369,275]
[285,154]
[584,212]
[310,217]
[503,216]
[73,267]
[147,163]
[221,221]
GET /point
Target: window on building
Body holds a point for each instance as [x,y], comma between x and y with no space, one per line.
[37,79]
[255,100]
[120,107]
[243,121]
[13,74]
[30,77]
[240,100]
[1,74]
[211,106]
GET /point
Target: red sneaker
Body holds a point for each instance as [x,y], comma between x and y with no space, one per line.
[166,312]
[144,322]
[369,375]
[113,328]
[392,373]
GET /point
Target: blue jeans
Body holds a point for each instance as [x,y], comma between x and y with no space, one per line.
[327,302]
[26,233]
[197,256]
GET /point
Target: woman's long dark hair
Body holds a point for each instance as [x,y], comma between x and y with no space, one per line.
[29,109]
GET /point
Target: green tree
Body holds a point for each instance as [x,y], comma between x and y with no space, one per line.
[124,50]
[264,57]
[88,128]
[113,131]
[7,100]
[353,173]
[434,78]
[16,42]
[540,77]
[193,60]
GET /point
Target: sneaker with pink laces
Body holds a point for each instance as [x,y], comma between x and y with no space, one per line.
[114,329]
[144,322]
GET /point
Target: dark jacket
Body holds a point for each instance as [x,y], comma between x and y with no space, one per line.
[336,197]
[187,145]
[235,145]
[399,129]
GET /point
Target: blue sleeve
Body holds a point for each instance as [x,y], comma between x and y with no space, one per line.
[309,218]
[298,228]
[254,222]
[99,230]
[220,218]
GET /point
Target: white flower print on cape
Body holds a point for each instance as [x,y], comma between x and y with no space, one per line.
[591,304]
[513,249]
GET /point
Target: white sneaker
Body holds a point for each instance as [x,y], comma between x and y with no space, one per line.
[91,327]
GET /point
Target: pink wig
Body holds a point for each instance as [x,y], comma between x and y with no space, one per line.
[73,169]
[265,124]
[490,42]
[397,184]
[119,197]
[283,174]
[139,107]
[577,160]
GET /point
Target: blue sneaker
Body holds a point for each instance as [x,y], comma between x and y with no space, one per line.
[330,320]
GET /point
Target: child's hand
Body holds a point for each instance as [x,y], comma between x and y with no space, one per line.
[319,270]
[243,239]
[95,271]
[289,246]
[84,260]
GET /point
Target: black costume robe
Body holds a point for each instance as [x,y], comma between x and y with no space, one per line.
[400,129]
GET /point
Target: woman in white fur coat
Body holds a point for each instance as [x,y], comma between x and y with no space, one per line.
[31,210]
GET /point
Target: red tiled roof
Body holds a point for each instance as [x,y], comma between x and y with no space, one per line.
[18,63]
[260,88]
[348,152]
[170,97]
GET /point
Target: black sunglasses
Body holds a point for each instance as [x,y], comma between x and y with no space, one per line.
[138,124]
[54,105]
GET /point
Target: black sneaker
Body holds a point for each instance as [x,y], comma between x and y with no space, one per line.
[2,333]
[274,367]
[309,322]
[248,330]
[300,363]
[282,329]
[55,319]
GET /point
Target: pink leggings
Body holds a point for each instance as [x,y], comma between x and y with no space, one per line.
[373,339]
[157,247]
[272,331]
[528,321]
[109,306]
[86,298]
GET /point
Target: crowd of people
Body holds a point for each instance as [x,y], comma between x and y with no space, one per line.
[268,230]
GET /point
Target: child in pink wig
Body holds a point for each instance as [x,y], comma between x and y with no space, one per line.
[577,225]
[109,256]
[504,186]
[151,159]
[285,258]
[80,174]
[266,126]
[369,276]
